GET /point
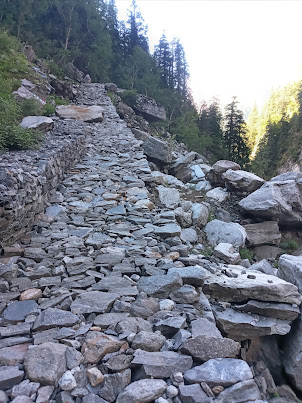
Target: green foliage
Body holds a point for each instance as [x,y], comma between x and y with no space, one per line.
[246,254]
[208,251]
[289,245]
[234,135]
[129,97]
[12,136]
[278,129]
[211,216]
[30,107]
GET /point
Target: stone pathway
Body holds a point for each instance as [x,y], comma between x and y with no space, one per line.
[101,309]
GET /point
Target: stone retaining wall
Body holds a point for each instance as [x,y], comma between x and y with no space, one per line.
[27,178]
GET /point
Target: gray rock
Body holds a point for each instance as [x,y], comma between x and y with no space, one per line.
[242,180]
[44,394]
[272,309]
[93,301]
[114,384]
[92,398]
[276,201]
[204,327]
[219,371]
[111,257]
[46,355]
[133,325]
[161,364]
[193,394]
[42,123]
[154,147]
[168,230]
[18,310]
[169,197]
[200,214]
[189,235]
[226,252]
[160,286]
[110,319]
[241,326]
[265,233]
[73,358]
[290,269]
[241,392]
[292,354]
[264,267]
[10,376]
[218,194]
[193,275]
[185,295]
[23,93]
[53,317]
[142,391]
[149,108]
[148,341]
[168,327]
[243,285]
[203,348]
[219,231]
[87,114]
[25,388]
[67,381]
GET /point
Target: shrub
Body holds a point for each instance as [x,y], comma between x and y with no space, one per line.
[246,254]
[30,107]
[289,245]
[129,97]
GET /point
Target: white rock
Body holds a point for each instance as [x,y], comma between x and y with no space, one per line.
[67,382]
[166,305]
[228,232]
[226,252]
[42,123]
[219,194]
[92,113]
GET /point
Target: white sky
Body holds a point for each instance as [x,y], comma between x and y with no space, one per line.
[243,48]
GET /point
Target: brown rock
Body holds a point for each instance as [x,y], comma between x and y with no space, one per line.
[32,293]
[97,345]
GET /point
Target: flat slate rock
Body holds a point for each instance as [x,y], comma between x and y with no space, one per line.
[18,310]
[161,364]
[203,348]
[53,317]
[246,285]
[93,301]
[193,275]
[10,376]
[160,286]
[219,371]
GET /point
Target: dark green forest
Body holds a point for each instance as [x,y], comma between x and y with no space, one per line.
[89,34]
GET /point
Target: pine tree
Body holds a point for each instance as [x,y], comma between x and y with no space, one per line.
[234,136]
[137,32]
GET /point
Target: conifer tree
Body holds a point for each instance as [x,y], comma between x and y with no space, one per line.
[234,136]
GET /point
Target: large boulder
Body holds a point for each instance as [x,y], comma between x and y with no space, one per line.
[239,285]
[42,123]
[242,181]
[87,114]
[292,357]
[149,108]
[24,93]
[227,232]
[276,200]
[215,174]
[154,147]
[290,269]
[264,233]
[181,167]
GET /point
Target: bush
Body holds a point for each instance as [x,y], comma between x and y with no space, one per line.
[129,97]
[289,245]
[246,254]
[14,137]
[30,107]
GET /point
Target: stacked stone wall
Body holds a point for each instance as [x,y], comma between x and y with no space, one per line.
[27,178]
